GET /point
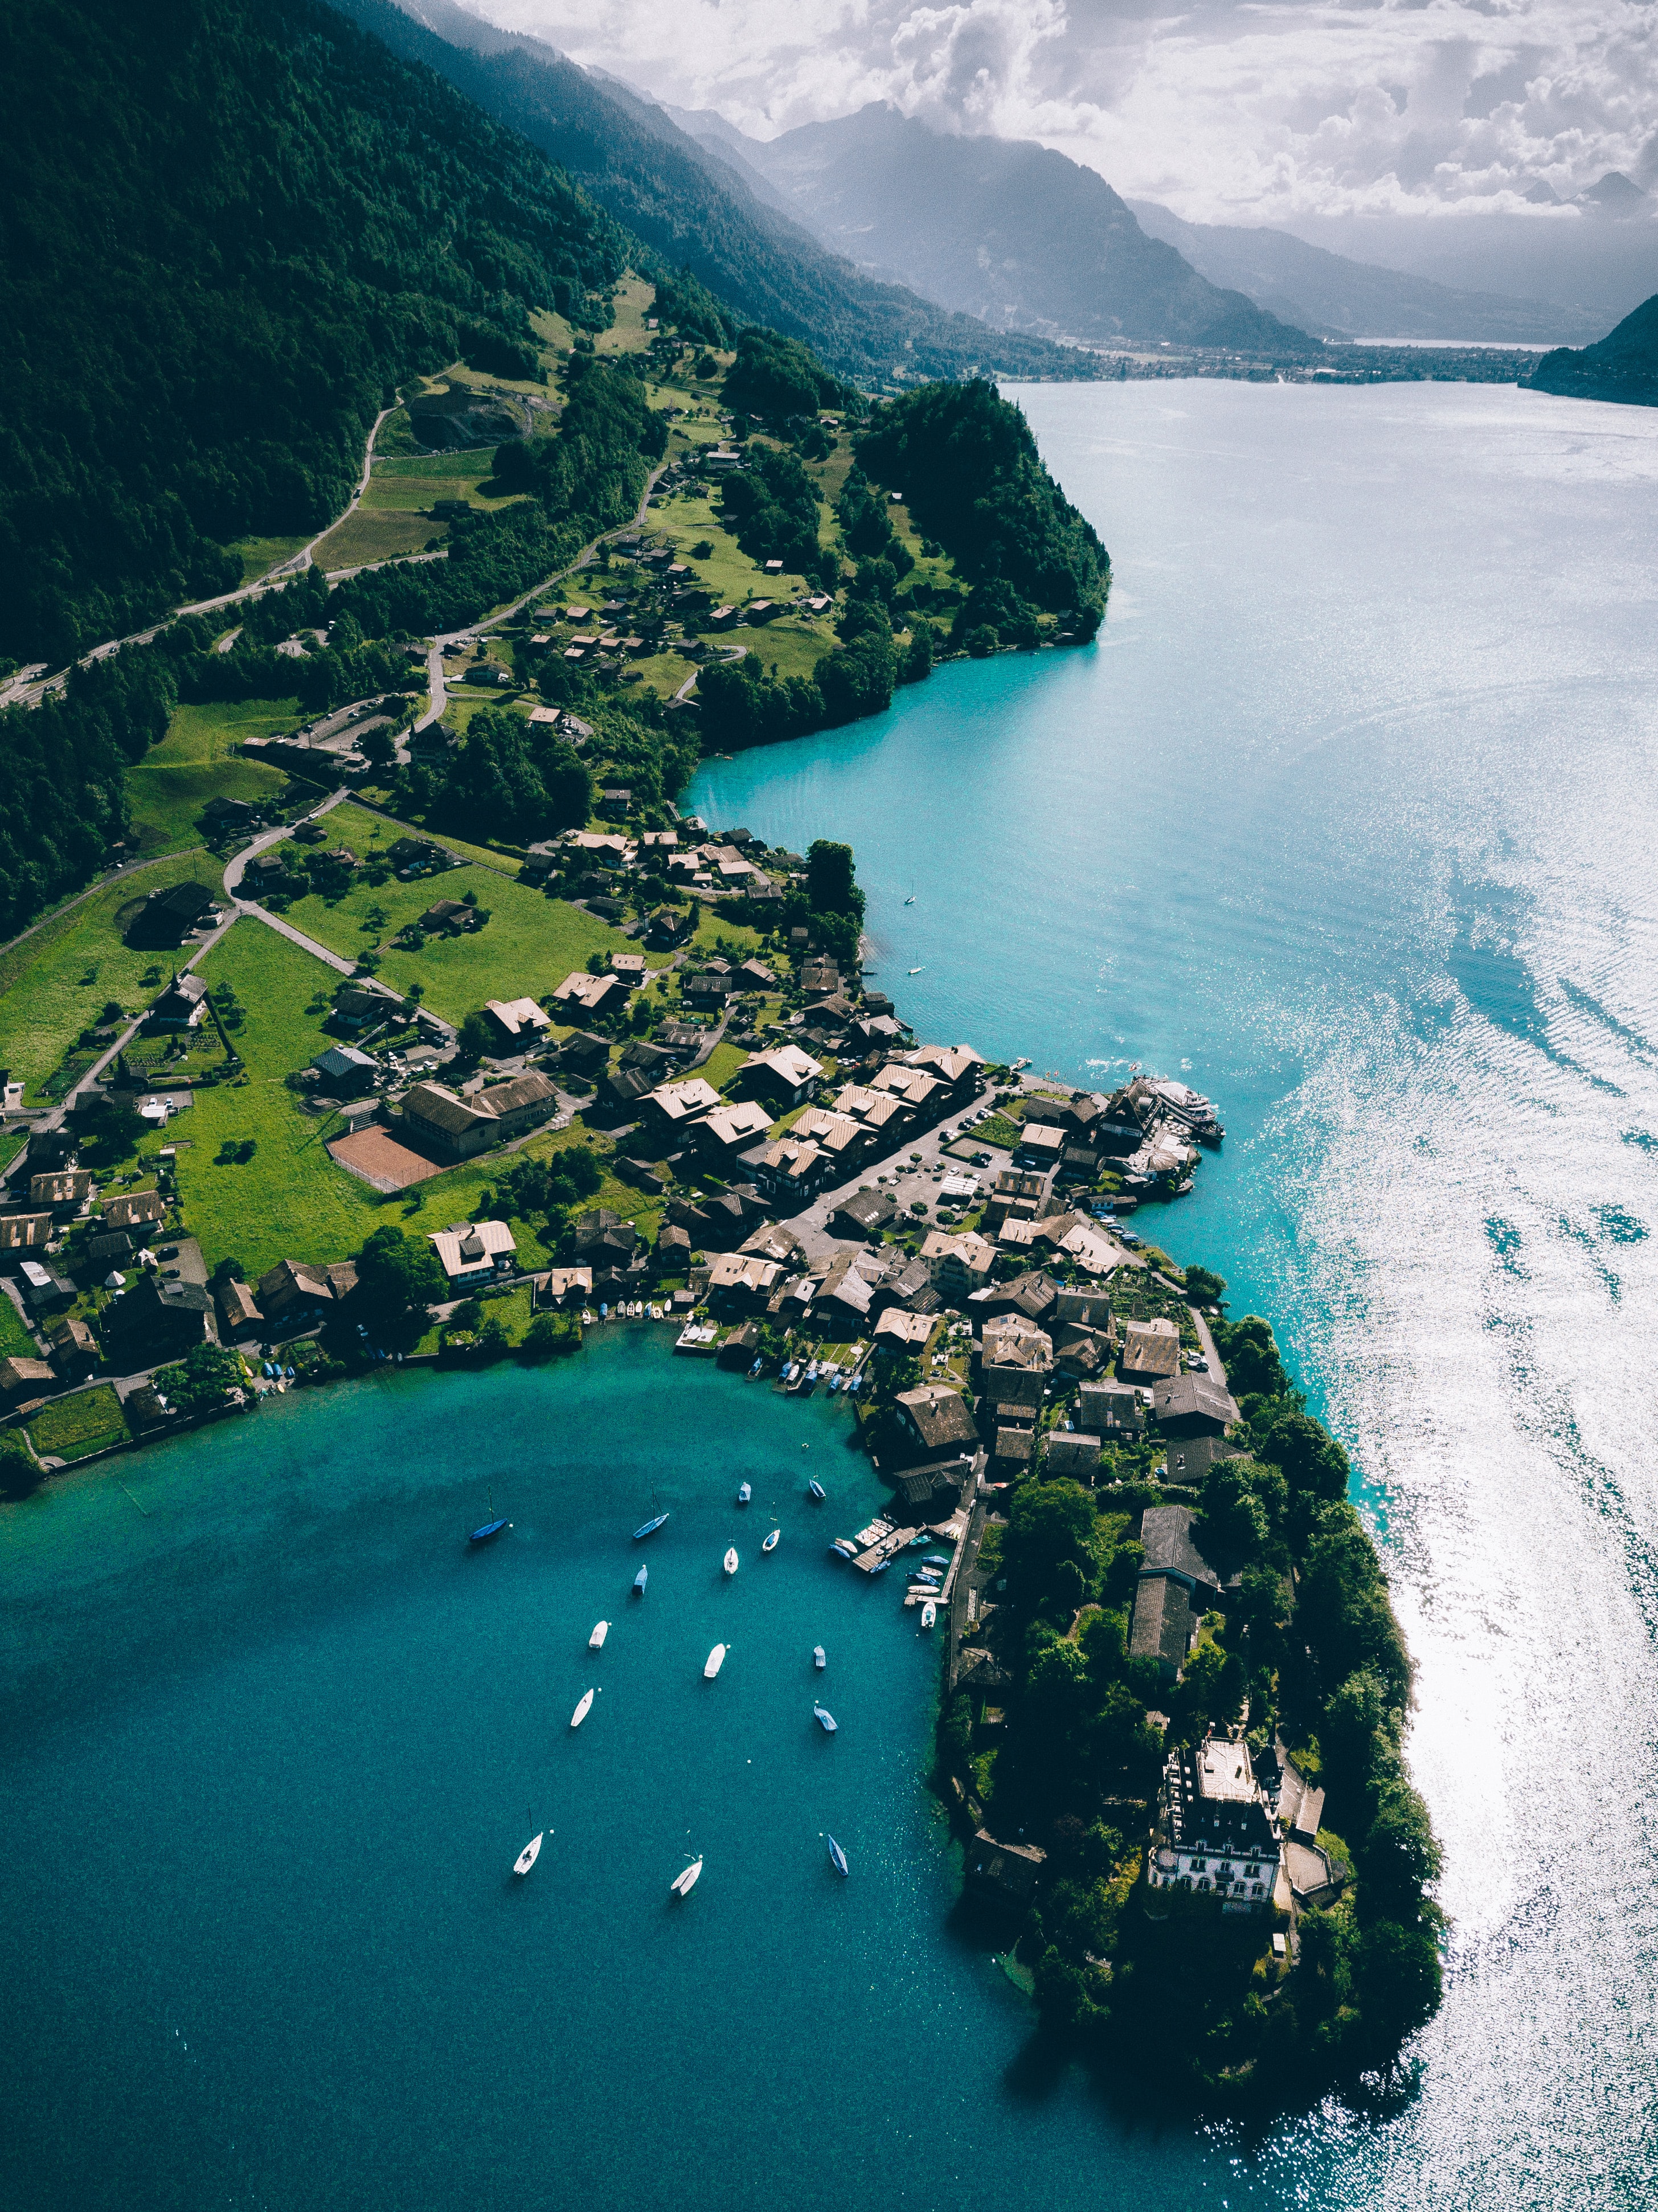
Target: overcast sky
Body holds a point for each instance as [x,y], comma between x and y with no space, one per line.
[1227,110]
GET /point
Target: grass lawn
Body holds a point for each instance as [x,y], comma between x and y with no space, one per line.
[360,828]
[290,1200]
[87,1422]
[54,982]
[713,925]
[528,945]
[728,572]
[997,1130]
[259,556]
[635,300]
[15,1342]
[197,761]
[722,1064]
[791,646]
[390,520]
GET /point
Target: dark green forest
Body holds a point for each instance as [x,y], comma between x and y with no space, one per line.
[227,231]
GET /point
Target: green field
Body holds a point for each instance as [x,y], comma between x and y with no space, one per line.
[528,945]
[197,761]
[89,1421]
[361,829]
[389,521]
[290,1200]
[259,556]
[15,1342]
[54,982]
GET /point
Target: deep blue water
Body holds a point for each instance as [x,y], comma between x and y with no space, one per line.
[1349,816]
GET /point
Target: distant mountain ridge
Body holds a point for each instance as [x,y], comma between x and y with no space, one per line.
[1622,366]
[694,209]
[1002,229]
[1330,294]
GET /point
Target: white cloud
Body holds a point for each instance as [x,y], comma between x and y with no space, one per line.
[1228,109]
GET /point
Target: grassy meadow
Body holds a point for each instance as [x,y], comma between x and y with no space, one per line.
[55,982]
[197,760]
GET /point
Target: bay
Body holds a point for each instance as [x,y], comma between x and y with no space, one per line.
[1348,816]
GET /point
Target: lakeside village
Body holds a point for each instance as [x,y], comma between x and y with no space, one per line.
[1125,1502]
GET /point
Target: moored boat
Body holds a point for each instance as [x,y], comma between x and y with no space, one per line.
[929,1614]
[731,1561]
[714,1661]
[685,1880]
[819,1657]
[527,1857]
[744,1493]
[640,1581]
[489,1532]
[596,1641]
[825,1719]
[650,1527]
[582,1710]
[837,1857]
[815,1489]
[770,1544]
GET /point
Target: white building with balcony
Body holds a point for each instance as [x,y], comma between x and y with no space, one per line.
[1215,1832]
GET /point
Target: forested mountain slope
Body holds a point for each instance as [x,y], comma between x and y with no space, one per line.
[696,211]
[226,230]
[1623,365]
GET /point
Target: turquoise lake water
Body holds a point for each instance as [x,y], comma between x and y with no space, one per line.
[1349,816]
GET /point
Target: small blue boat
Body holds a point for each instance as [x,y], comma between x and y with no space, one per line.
[837,1857]
[640,1581]
[650,1527]
[489,1532]
[815,1489]
[935,1559]
[825,1719]
[880,1566]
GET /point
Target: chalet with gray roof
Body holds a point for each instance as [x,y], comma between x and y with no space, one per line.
[1193,1406]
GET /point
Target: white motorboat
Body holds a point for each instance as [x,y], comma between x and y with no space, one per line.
[582,1710]
[819,1657]
[596,1641]
[770,1544]
[825,1719]
[744,1492]
[527,1857]
[929,1614]
[731,1561]
[685,1880]
[715,1661]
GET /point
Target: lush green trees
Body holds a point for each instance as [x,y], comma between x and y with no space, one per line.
[199,1382]
[968,466]
[777,377]
[772,505]
[232,230]
[398,1273]
[514,777]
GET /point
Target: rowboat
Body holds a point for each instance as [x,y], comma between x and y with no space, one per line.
[489,1532]
[685,1881]
[817,1489]
[650,1527]
[715,1661]
[837,1857]
[527,1857]
[582,1710]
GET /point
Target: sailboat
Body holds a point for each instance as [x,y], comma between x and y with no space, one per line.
[837,1857]
[582,1710]
[910,900]
[731,1561]
[685,1881]
[487,1531]
[527,1857]
[770,1544]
